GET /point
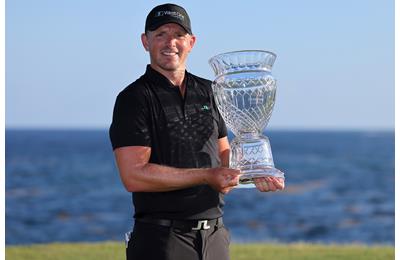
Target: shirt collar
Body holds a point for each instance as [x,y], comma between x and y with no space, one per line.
[160,79]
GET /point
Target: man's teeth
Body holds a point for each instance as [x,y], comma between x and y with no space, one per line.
[169,53]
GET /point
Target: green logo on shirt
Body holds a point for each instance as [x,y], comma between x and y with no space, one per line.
[205,107]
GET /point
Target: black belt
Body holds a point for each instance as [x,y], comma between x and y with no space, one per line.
[184,224]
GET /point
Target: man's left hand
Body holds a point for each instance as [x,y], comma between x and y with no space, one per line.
[269,183]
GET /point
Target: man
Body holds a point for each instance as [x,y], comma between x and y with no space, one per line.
[171,148]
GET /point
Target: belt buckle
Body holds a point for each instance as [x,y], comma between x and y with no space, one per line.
[202,224]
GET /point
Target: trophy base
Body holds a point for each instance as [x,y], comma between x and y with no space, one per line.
[251,154]
[247,177]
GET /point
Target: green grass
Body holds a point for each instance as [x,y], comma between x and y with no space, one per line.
[115,250]
[310,252]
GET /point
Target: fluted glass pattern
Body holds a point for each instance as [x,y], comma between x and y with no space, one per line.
[244,89]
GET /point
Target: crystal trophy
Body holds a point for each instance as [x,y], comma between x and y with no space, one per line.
[244,91]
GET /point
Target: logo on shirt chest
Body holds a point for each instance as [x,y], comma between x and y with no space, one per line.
[204,108]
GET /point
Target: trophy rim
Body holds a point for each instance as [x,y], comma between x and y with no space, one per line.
[232,52]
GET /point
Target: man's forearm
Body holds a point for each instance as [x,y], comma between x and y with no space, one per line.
[224,156]
[152,177]
[138,175]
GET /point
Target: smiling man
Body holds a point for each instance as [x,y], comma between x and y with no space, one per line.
[172,150]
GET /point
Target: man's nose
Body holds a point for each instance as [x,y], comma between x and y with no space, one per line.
[171,41]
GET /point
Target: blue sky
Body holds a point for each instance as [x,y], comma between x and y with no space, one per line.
[67,60]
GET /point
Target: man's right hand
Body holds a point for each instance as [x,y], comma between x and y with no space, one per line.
[223,179]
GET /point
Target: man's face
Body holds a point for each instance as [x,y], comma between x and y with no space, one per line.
[169,46]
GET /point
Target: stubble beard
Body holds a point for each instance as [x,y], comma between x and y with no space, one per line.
[170,66]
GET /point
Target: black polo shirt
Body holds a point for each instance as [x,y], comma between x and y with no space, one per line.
[182,132]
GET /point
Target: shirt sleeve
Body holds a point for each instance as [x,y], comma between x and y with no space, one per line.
[130,122]
[222,130]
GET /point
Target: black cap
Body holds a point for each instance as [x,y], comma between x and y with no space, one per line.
[168,13]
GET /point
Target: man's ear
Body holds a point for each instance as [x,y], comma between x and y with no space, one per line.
[145,41]
[192,42]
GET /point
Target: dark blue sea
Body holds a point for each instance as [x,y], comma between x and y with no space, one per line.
[64,186]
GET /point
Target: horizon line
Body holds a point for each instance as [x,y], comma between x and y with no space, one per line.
[274,129]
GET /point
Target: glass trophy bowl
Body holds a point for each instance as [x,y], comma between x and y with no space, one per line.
[244,91]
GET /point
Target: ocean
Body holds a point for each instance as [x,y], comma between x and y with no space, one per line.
[63,185]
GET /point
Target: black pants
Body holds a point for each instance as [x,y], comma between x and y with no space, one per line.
[155,242]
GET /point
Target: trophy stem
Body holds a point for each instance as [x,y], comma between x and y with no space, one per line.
[251,153]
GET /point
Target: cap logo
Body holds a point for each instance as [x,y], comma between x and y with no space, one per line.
[171,13]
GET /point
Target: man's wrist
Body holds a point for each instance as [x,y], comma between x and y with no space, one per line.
[205,175]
